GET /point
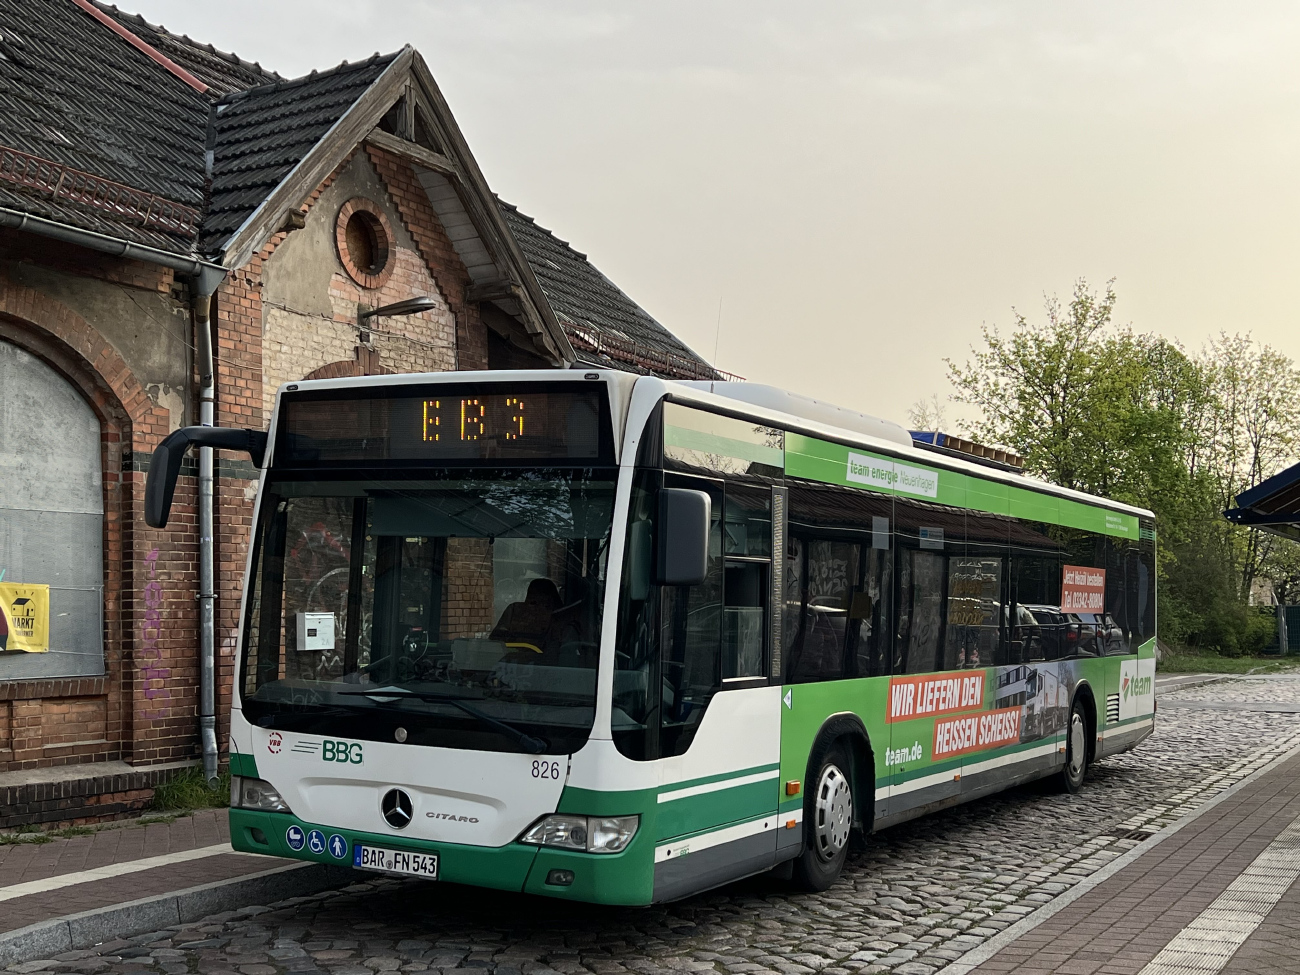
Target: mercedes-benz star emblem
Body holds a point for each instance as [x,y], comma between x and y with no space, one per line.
[396,808]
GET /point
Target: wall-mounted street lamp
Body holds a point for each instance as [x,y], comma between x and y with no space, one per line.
[411,306]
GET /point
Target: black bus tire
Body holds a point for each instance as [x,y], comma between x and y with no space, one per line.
[828,822]
[1076,749]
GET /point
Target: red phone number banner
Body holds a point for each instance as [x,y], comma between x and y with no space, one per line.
[975,732]
[1083,590]
[927,697]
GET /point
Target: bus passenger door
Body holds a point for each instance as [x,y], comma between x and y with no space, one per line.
[719,735]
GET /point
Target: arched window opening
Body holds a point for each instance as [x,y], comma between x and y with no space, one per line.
[51,524]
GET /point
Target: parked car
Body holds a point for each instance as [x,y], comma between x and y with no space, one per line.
[1059,633]
[1026,635]
[1101,636]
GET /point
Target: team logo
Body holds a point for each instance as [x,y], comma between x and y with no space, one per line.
[397,808]
[1135,686]
[274,743]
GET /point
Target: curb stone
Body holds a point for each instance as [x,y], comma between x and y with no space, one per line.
[1208,679]
[88,928]
[977,956]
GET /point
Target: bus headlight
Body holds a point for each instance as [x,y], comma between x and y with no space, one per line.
[257,794]
[610,834]
[590,834]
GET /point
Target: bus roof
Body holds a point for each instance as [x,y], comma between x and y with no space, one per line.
[769,404]
[824,420]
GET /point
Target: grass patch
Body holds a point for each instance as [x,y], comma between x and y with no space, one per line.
[190,790]
[71,831]
[9,839]
[1213,663]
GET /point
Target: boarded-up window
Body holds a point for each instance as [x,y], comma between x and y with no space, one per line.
[51,514]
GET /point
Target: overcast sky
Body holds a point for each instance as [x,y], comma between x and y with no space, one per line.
[863,184]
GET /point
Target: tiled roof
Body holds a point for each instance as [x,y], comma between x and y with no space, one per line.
[604,325]
[97,134]
[222,72]
[264,132]
[76,95]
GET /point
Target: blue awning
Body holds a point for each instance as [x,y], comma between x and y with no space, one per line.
[1272,505]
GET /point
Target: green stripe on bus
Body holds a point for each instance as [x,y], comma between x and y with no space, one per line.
[676,817]
[821,460]
[1126,721]
[710,443]
[964,762]
[719,777]
[769,816]
[244,765]
[715,809]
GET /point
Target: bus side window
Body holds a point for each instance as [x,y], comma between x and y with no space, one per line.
[747,541]
[869,607]
[826,600]
[926,536]
[920,610]
[744,620]
[838,584]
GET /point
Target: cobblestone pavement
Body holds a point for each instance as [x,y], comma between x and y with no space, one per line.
[919,896]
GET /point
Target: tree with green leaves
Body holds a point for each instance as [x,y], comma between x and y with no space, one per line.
[1252,432]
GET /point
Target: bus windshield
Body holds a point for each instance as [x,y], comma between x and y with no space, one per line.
[457,608]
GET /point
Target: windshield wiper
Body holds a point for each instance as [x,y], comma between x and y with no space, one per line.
[530,744]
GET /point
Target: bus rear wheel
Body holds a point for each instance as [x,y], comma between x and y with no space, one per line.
[1076,750]
[828,823]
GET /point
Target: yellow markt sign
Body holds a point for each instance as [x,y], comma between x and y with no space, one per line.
[24,617]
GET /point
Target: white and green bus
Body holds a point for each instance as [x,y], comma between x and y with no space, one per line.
[621,639]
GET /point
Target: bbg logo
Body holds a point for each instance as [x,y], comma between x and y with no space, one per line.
[340,751]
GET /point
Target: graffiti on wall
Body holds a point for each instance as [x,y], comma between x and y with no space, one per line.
[153,676]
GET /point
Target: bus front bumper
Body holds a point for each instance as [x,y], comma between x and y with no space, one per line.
[624,878]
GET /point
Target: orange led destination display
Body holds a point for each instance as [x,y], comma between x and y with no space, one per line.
[975,732]
[1083,590]
[930,696]
[464,419]
[446,423]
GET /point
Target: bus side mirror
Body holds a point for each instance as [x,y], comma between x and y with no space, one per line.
[683,555]
[165,467]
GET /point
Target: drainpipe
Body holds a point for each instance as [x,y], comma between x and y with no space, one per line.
[204,285]
[204,278]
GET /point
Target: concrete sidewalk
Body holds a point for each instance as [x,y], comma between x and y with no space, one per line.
[39,881]
[132,877]
[1215,893]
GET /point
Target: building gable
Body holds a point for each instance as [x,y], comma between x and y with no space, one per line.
[274,144]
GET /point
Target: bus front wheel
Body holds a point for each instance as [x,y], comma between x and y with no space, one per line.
[1076,750]
[828,822]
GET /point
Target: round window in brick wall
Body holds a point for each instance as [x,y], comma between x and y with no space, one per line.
[365,242]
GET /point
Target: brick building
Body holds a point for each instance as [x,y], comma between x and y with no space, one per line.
[156,194]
